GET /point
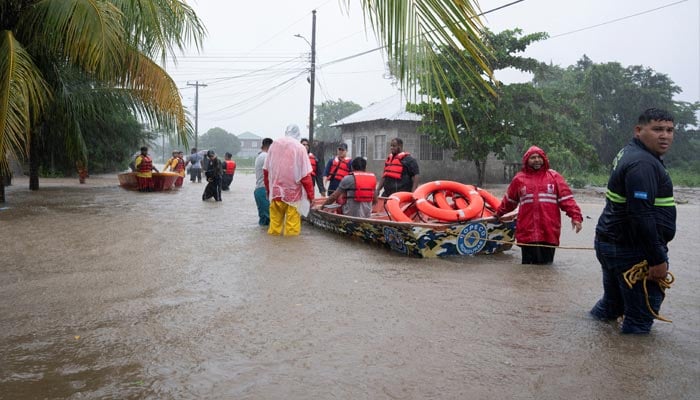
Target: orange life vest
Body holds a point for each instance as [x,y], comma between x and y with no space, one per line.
[230,167]
[365,183]
[314,163]
[340,169]
[146,164]
[180,166]
[393,167]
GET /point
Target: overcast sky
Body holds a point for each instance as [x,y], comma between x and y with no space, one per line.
[256,70]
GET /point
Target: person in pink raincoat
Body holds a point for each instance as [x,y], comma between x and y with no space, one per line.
[287,172]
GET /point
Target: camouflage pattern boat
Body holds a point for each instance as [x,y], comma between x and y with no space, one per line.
[418,238]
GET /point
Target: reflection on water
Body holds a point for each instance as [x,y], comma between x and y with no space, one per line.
[107,293]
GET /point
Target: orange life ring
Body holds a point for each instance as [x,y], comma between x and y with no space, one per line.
[489,199]
[440,199]
[476,202]
[394,206]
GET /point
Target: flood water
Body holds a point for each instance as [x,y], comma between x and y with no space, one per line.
[111,294]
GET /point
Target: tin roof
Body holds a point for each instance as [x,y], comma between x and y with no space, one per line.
[390,109]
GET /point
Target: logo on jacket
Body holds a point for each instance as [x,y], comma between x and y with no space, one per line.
[550,188]
[472,239]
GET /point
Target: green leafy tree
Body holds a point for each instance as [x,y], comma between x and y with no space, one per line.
[489,123]
[328,113]
[46,46]
[610,97]
[219,140]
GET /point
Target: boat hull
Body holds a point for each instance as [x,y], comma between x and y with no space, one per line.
[162,181]
[481,236]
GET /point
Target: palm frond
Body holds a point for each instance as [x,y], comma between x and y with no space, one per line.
[87,33]
[23,97]
[159,27]
[413,33]
[158,97]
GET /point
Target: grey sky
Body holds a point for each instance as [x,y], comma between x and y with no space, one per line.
[254,67]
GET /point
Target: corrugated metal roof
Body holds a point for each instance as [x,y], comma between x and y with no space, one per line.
[389,109]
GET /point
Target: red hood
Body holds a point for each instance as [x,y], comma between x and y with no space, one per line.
[532,150]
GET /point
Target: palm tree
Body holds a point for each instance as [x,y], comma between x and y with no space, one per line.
[112,43]
[46,46]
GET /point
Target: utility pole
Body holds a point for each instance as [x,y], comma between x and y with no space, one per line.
[196,108]
[313,78]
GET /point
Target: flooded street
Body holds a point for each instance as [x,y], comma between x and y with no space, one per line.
[106,293]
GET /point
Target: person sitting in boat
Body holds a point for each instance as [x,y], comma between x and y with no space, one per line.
[356,191]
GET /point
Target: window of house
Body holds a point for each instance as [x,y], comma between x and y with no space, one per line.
[429,151]
[380,147]
[254,144]
[362,147]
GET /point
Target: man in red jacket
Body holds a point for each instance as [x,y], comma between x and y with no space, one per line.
[540,193]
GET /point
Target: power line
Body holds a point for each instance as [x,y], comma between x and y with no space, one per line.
[617,19]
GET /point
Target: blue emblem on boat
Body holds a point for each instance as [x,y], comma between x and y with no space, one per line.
[472,239]
[394,240]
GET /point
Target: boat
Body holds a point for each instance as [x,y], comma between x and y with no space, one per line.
[420,237]
[162,181]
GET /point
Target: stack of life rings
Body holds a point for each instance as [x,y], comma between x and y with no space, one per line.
[441,201]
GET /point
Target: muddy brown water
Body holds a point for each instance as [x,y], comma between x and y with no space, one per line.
[111,294]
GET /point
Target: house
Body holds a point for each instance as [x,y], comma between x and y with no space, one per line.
[250,144]
[368,133]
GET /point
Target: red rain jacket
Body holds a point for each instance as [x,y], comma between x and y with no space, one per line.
[539,194]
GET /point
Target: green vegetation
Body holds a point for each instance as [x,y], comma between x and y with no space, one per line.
[580,115]
[328,113]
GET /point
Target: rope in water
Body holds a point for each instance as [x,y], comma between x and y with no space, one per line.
[538,245]
[639,272]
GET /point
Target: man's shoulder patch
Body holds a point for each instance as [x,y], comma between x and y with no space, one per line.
[641,195]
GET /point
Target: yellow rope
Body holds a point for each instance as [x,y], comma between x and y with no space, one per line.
[639,272]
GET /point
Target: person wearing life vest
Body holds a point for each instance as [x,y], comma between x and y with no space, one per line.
[337,168]
[401,171]
[539,193]
[180,168]
[636,225]
[356,192]
[144,166]
[316,175]
[171,163]
[176,164]
[229,171]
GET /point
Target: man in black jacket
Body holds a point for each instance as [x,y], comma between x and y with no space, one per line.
[636,225]
[213,174]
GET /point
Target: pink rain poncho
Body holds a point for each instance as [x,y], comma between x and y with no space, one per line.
[287,163]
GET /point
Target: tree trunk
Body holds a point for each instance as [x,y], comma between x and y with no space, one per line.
[34,161]
[480,171]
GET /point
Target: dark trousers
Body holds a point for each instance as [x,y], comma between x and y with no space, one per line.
[538,254]
[213,189]
[226,181]
[618,299]
[195,173]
